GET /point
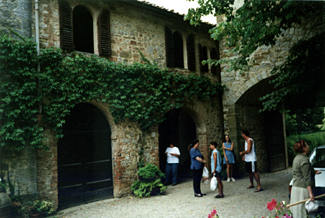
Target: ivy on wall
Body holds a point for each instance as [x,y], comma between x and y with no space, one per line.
[32,101]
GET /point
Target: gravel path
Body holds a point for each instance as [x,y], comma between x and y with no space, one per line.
[179,201]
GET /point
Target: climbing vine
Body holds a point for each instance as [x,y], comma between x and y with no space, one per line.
[33,101]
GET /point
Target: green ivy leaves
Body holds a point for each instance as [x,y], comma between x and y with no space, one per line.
[31,101]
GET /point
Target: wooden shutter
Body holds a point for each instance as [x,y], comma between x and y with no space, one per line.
[104,34]
[169,45]
[66,33]
[191,53]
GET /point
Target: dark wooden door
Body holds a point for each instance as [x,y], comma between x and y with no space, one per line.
[274,140]
[84,157]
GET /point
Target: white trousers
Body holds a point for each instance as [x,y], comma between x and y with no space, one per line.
[298,194]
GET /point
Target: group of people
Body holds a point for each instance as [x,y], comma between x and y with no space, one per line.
[302,171]
[198,162]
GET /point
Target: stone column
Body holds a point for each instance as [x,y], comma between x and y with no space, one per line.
[197,55]
[47,169]
[185,55]
[95,30]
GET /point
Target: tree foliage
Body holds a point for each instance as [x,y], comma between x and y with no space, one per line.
[255,23]
[258,23]
[32,101]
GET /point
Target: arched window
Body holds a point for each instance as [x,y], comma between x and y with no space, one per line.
[191,53]
[203,51]
[66,34]
[169,46]
[178,45]
[104,34]
[83,37]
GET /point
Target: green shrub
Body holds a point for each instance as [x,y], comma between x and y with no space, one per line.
[313,139]
[27,205]
[149,183]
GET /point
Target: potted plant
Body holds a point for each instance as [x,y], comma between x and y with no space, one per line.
[41,208]
[32,206]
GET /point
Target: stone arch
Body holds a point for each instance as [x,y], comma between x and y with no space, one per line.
[266,128]
[93,177]
[249,80]
[181,127]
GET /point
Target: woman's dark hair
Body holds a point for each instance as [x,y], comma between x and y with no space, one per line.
[245,131]
[224,139]
[299,146]
[214,144]
[195,141]
[192,144]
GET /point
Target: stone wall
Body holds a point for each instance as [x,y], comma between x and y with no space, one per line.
[132,33]
[49,23]
[126,144]
[47,169]
[18,169]
[264,59]
[16,14]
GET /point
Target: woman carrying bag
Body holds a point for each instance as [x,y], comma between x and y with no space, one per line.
[302,179]
[216,167]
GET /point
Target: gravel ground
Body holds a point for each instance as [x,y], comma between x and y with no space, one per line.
[179,201]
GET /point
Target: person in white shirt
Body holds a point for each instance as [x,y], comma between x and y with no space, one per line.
[249,156]
[173,155]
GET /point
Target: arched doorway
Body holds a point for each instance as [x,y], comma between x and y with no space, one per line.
[266,128]
[178,128]
[84,157]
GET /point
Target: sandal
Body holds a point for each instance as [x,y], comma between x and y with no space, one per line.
[258,190]
[219,196]
[251,186]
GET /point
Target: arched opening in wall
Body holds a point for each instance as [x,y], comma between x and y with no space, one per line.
[180,129]
[169,47]
[266,128]
[203,54]
[85,157]
[191,53]
[83,37]
[178,49]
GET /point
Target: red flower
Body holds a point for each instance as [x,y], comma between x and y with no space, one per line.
[271,205]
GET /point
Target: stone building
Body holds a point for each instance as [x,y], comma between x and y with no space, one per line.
[98,158]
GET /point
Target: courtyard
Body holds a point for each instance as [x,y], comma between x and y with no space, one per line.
[239,202]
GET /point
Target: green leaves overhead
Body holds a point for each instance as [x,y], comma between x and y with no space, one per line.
[32,101]
[254,23]
[243,28]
